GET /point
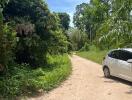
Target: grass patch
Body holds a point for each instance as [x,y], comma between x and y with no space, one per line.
[93,54]
[22,80]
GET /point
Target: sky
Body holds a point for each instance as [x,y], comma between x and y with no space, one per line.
[67,6]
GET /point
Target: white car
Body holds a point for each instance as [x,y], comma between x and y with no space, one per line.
[118,63]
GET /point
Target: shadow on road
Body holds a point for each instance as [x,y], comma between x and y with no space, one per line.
[118,80]
[124,82]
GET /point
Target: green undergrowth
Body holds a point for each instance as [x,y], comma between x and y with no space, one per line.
[21,79]
[93,54]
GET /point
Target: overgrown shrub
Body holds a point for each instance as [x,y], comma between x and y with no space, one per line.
[7,42]
[34,18]
[58,43]
[85,47]
[22,80]
[38,33]
[31,50]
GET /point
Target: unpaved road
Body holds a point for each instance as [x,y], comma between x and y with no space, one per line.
[87,83]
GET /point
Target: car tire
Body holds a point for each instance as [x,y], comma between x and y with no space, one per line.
[106,72]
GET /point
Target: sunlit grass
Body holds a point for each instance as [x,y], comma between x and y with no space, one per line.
[23,80]
[93,55]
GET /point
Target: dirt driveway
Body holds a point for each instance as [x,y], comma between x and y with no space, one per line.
[87,83]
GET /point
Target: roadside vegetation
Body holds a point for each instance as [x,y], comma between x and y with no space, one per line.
[102,24]
[106,23]
[22,80]
[93,54]
[34,42]
[33,48]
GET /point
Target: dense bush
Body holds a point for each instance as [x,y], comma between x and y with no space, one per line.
[36,38]
[58,44]
[30,51]
[21,80]
[7,42]
[29,35]
[85,47]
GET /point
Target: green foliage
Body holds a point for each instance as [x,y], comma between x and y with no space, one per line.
[116,31]
[22,80]
[38,33]
[94,54]
[6,44]
[33,48]
[108,22]
[30,51]
[3,2]
[58,43]
[88,17]
[78,16]
[64,20]
[85,47]
[78,38]
[35,42]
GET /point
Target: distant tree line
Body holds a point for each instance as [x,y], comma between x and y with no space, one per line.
[107,23]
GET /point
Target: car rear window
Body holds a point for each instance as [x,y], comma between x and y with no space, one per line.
[121,54]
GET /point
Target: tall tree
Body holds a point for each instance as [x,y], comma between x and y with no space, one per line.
[47,30]
[64,20]
[78,16]
[88,17]
[116,31]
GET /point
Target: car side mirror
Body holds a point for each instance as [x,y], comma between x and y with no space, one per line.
[129,60]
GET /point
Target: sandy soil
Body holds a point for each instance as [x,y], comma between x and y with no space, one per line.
[87,83]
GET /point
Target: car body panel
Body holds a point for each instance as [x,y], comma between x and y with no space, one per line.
[119,68]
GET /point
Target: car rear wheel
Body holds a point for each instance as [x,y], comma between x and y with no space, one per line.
[106,72]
